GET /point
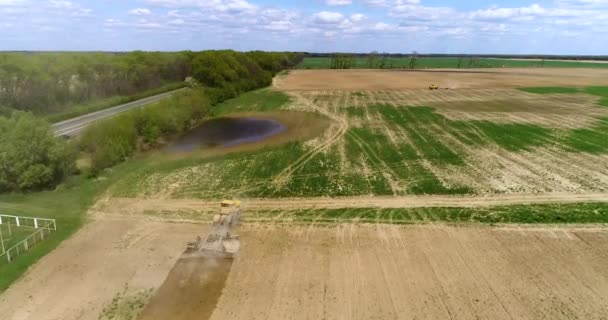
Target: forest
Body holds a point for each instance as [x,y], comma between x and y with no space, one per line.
[35,84]
[44,83]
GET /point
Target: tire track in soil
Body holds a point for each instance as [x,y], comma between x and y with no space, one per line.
[282,178]
[568,269]
[479,277]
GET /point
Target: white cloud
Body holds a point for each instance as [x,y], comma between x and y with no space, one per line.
[215,5]
[7,3]
[140,12]
[338,2]
[326,17]
[357,17]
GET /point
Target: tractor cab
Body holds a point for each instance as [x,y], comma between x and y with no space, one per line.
[229,206]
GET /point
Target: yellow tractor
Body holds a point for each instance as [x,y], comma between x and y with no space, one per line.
[229,209]
[433,87]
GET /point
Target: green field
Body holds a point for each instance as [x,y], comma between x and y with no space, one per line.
[365,161]
[423,63]
[525,214]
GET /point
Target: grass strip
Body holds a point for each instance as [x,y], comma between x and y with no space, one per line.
[578,213]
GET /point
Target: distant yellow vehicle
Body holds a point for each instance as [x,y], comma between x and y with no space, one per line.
[433,87]
[229,206]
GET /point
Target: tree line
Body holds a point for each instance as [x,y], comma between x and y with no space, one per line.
[31,158]
[47,82]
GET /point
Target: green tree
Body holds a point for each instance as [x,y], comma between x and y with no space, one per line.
[413,60]
[31,157]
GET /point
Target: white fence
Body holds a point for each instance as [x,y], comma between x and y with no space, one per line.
[41,229]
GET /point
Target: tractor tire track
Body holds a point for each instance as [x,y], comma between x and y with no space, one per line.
[284,175]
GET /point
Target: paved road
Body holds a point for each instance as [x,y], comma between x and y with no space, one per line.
[73,127]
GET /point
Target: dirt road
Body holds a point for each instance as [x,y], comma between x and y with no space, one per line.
[305,80]
[82,276]
[138,206]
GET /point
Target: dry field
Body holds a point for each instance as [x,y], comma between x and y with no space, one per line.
[305,80]
[433,272]
[346,271]
[105,258]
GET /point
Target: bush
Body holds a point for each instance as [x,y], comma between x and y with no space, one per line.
[110,142]
[31,158]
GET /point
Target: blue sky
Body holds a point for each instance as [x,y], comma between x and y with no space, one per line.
[430,26]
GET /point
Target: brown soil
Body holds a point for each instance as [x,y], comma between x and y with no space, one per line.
[347,271]
[191,290]
[79,278]
[414,272]
[304,80]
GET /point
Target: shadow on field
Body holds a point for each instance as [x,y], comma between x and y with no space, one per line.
[192,289]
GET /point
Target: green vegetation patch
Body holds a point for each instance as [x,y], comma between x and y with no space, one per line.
[550,90]
[600,91]
[592,140]
[597,91]
[11,235]
[422,124]
[580,213]
[126,305]
[258,100]
[67,204]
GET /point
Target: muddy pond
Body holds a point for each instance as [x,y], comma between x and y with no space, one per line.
[227,132]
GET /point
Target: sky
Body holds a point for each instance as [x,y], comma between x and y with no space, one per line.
[394,26]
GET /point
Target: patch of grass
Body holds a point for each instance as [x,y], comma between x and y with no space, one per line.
[550,90]
[101,104]
[592,140]
[126,305]
[355,112]
[258,100]
[418,121]
[600,91]
[579,213]
[514,136]
[12,234]
[597,91]
[67,205]
[402,161]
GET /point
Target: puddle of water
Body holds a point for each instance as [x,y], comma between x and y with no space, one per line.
[227,132]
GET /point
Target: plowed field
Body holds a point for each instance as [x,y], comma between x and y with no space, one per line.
[302,80]
[344,271]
